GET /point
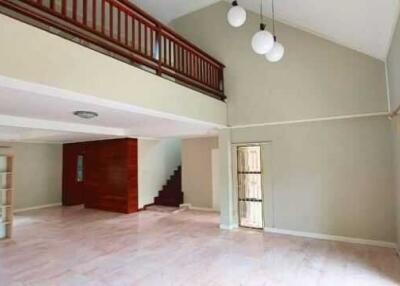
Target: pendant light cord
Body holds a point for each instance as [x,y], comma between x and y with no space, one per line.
[273,18]
[262,25]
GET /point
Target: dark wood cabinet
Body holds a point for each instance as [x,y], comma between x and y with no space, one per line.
[110,175]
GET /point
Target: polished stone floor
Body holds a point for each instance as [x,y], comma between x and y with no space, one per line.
[75,246]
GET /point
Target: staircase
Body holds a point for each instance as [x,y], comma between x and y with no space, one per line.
[171,195]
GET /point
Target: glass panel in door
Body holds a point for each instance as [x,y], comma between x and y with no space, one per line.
[249,174]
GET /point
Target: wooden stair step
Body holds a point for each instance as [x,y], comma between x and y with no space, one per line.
[171,193]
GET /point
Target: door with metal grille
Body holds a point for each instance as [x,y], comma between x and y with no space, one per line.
[249,182]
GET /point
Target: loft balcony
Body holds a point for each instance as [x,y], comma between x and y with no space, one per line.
[123,31]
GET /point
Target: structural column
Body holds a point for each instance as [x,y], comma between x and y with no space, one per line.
[225,181]
[396,145]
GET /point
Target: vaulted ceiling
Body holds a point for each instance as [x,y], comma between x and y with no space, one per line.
[363,25]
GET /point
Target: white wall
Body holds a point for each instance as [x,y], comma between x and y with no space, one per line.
[215,178]
[197,182]
[157,160]
[37,173]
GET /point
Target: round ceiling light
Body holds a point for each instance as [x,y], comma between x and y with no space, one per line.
[262,41]
[236,15]
[276,54]
[85,114]
[278,50]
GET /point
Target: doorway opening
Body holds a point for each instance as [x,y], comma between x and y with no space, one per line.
[249,182]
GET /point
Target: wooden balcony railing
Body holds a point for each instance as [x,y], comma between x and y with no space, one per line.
[120,28]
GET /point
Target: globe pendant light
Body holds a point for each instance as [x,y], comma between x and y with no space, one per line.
[262,41]
[236,15]
[277,51]
[276,54]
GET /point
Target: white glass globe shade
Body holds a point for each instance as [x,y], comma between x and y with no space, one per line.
[236,16]
[276,54]
[262,42]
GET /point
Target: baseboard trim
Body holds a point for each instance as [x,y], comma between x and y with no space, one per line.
[190,207]
[145,206]
[37,207]
[228,227]
[203,209]
[333,237]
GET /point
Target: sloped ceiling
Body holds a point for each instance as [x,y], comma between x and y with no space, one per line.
[363,25]
[168,10]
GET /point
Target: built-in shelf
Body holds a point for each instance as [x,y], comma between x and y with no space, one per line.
[6,196]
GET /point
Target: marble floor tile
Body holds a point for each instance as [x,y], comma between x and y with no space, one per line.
[80,247]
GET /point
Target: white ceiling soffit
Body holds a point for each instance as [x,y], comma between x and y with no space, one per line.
[363,25]
[33,135]
[33,112]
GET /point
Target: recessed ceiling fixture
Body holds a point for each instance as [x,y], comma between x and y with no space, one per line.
[85,114]
[236,15]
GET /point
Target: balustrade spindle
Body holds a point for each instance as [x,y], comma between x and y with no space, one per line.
[136,36]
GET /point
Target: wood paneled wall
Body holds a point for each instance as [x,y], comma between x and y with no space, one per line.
[72,190]
[110,179]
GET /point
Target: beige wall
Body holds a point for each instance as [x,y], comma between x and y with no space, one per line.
[38,173]
[157,160]
[396,145]
[316,78]
[393,66]
[197,171]
[331,177]
[41,57]
[38,170]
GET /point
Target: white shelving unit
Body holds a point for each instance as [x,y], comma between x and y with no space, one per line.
[6,196]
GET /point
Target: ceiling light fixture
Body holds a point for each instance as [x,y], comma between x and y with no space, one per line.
[236,15]
[277,51]
[262,41]
[85,114]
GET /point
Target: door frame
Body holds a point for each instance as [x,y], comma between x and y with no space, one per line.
[266,182]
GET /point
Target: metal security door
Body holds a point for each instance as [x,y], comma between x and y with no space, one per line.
[250,194]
